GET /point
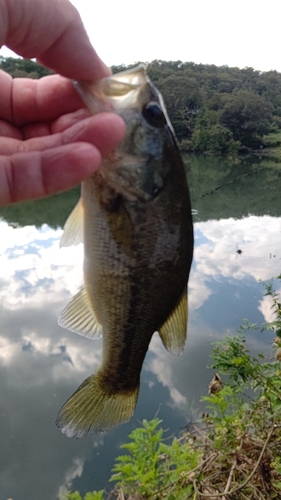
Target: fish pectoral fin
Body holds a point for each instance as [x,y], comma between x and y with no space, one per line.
[74,227]
[92,409]
[173,331]
[78,316]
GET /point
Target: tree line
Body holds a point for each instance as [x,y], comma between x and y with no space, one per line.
[217,108]
[23,68]
[214,109]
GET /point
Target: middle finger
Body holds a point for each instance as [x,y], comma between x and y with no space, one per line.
[97,130]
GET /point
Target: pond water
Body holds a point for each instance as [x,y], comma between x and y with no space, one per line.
[237,208]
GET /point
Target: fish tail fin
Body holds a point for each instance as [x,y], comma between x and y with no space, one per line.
[92,409]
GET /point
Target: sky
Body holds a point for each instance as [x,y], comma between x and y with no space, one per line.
[221,32]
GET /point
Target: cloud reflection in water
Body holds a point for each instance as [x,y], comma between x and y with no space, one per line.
[42,364]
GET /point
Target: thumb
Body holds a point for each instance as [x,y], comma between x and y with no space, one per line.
[51,31]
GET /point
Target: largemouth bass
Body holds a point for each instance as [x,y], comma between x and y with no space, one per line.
[134,217]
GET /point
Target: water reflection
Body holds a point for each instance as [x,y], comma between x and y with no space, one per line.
[41,364]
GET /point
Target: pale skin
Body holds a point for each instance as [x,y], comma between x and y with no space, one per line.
[48,140]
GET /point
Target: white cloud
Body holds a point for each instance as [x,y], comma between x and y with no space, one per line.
[198,290]
[161,366]
[75,470]
[266,309]
[37,281]
[33,269]
[259,238]
[7,350]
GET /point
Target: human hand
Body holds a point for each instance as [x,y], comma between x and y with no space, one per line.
[47,142]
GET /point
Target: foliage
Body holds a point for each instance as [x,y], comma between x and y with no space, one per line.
[247,115]
[272,139]
[232,452]
[275,326]
[209,136]
[153,467]
[246,103]
[18,67]
[94,495]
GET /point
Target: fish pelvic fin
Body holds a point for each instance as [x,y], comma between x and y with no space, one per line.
[78,316]
[91,409]
[173,331]
[74,227]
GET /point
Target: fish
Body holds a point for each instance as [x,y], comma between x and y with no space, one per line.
[134,218]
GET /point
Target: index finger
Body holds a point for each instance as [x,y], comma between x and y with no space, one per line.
[24,100]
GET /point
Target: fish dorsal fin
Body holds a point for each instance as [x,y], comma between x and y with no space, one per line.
[173,331]
[74,227]
[78,316]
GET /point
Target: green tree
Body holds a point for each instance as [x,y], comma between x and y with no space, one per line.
[248,116]
[183,99]
[19,67]
[209,136]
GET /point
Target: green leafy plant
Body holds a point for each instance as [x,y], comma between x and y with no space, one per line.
[151,468]
[94,495]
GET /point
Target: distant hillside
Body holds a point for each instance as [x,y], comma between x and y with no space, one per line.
[213,109]
[18,67]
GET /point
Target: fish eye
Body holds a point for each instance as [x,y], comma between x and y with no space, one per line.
[153,114]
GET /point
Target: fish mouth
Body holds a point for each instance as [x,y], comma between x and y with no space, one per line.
[133,77]
[114,93]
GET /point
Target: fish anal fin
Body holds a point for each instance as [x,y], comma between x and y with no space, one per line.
[78,316]
[91,409]
[74,227]
[173,331]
